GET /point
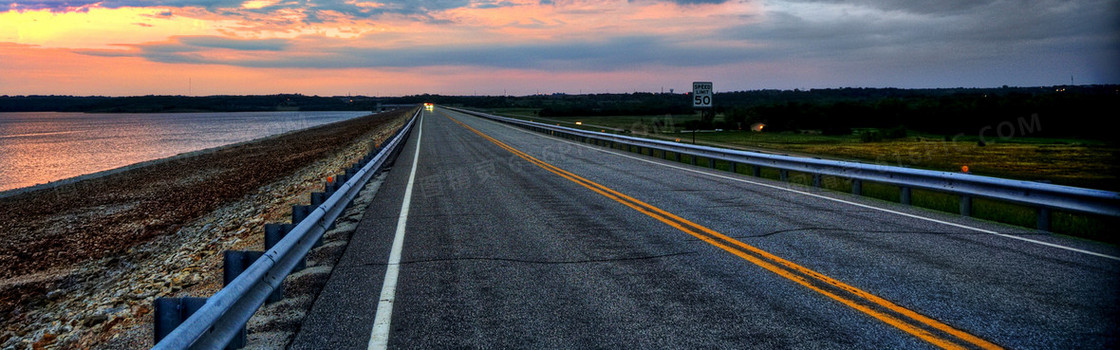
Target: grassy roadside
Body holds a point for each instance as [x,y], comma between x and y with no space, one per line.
[1071,162]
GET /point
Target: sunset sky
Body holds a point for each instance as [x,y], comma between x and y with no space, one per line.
[464,47]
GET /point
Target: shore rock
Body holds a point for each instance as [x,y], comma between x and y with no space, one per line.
[105,302]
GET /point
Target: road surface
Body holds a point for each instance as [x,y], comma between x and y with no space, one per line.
[511,239]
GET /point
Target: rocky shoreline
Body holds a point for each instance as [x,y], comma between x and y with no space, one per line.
[101,296]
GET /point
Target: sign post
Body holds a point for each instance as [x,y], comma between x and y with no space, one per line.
[702,100]
[702,94]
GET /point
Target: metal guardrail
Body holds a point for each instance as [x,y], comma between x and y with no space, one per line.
[1045,197]
[224,315]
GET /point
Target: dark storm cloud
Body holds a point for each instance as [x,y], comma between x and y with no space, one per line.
[494,5]
[311,8]
[191,49]
[1020,39]
[978,24]
[45,5]
[877,42]
[81,5]
[698,2]
[234,44]
[920,7]
[225,6]
[608,55]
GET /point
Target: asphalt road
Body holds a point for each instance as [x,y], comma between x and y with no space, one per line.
[514,239]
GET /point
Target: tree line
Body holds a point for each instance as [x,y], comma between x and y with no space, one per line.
[1057,111]
[1049,112]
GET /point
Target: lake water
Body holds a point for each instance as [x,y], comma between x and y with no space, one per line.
[39,147]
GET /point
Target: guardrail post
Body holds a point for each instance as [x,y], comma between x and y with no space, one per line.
[1044,218]
[904,195]
[966,205]
[300,212]
[816,180]
[783,174]
[171,312]
[317,198]
[857,187]
[678,153]
[693,159]
[756,171]
[712,163]
[273,233]
[235,262]
[731,166]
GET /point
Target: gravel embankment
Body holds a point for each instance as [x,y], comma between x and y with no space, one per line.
[81,263]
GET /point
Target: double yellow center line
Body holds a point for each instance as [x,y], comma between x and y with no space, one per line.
[928,329]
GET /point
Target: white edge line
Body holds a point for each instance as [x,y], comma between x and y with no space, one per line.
[379,336]
[1106,256]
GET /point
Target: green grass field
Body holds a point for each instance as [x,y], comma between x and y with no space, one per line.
[1072,162]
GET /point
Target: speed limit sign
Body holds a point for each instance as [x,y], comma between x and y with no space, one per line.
[702,94]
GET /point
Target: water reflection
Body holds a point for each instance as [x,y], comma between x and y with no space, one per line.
[40,147]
